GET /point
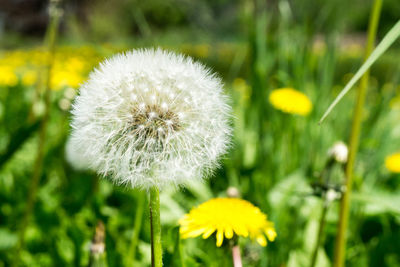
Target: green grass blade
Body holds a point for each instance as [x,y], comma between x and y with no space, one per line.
[387,41]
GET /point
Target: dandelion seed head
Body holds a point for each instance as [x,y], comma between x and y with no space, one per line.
[151,117]
[332,195]
[339,152]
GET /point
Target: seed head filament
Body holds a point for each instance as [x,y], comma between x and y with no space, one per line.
[154,122]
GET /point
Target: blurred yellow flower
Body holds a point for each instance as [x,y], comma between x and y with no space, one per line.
[290,101]
[75,64]
[29,77]
[227,216]
[392,162]
[71,66]
[7,76]
[61,78]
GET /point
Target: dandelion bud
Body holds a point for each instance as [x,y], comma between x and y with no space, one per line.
[150,117]
[232,192]
[339,152]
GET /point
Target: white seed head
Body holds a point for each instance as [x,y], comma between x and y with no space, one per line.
[339,152]
[173,130]
[332,195]
[75,156]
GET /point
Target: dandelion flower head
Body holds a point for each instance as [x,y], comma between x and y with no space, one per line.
[227,217]
[291,101]
[150,117]
[392,162]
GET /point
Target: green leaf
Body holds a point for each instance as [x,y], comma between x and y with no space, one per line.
[378,202]
[387,41]
[7,239]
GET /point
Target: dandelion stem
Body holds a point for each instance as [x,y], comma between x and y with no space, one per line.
[50,40]
[340,246]
[155,227]
[137,226]
[320,233]
[237,259]
[324,178]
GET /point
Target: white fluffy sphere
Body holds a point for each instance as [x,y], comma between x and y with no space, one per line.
[150,118]
[339,152]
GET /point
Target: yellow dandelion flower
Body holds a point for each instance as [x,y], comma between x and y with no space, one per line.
[290,101]
[392,162]
[227,217]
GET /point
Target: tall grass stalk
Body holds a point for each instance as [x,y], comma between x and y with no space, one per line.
[340,246]
[155,227]
[50,41]
[386,42]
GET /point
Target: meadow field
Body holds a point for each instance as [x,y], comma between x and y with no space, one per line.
[282,63]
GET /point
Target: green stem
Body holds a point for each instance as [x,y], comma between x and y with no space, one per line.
[320,233]
[51,36]
[324,179]
[340,246]
[155,227]
[137,227]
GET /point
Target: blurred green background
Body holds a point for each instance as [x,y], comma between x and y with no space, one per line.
[314,46]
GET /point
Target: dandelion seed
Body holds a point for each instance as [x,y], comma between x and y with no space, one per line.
[227,217]
[133,97]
